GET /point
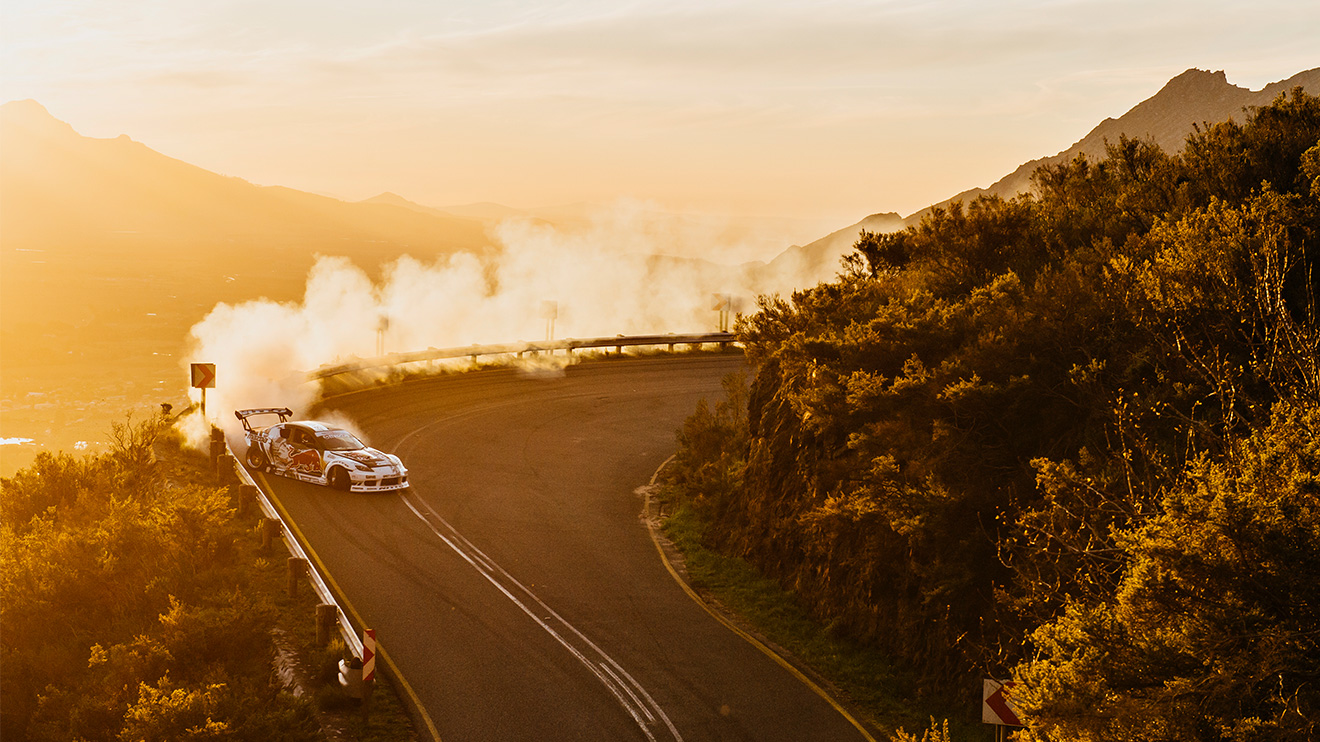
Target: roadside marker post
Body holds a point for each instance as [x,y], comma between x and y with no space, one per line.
[368,669]
[368,655]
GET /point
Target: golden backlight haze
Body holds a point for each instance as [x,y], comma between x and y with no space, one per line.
[259,184]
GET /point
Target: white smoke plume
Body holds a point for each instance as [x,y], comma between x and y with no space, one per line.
[605,280]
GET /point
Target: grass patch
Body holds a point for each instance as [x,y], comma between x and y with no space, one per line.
[878,693]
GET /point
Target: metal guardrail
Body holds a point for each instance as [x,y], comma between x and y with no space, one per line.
[295,549]
[618,342]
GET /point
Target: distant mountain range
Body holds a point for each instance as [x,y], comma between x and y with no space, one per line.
[1194,98]
[58,187]
[77,206]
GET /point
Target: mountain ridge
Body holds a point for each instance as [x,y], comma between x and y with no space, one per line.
[60,186]
[1193,98]
[166,201]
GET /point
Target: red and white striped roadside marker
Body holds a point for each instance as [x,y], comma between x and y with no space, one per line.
[368,655]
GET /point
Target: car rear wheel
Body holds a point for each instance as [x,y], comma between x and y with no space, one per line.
[255,458]
[339,479]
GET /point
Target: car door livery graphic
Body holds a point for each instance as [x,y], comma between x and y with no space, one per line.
[281,450]
[304,456]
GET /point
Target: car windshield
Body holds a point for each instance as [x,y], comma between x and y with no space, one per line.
[338,440]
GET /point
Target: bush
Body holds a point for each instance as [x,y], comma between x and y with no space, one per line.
[124,609]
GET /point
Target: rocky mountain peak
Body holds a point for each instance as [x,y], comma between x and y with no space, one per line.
[1193,98]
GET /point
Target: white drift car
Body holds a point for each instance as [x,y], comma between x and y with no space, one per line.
[318,453]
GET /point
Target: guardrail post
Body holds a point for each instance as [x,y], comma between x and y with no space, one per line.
[327,616]
[297,569]
[224,470]
[247,494]
[270,530]
[217,445]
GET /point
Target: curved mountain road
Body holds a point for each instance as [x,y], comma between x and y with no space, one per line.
[515,585]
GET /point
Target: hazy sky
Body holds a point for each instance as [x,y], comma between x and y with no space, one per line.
[828,110]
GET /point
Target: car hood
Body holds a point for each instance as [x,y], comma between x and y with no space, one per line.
[367,456]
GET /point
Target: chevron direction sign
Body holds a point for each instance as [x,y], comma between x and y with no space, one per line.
[368,655]
[997,703]
[203,376]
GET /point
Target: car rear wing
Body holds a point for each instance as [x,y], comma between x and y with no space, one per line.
[284,414]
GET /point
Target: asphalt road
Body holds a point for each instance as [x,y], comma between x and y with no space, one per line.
[515,585]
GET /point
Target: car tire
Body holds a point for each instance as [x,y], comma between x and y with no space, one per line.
[339,480]
[255,458]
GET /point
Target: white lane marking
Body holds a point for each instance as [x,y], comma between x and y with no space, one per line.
[619,668]
[625,688]
[487,567]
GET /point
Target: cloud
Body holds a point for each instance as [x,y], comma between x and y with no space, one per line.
[740,53]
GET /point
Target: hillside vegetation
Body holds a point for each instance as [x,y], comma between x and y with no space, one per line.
[1070,437]
[129,605]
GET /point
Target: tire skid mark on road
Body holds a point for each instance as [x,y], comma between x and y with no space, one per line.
[639,705]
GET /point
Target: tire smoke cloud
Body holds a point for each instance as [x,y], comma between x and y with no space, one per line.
[617,276]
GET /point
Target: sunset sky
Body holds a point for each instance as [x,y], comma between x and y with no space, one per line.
[821,110]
